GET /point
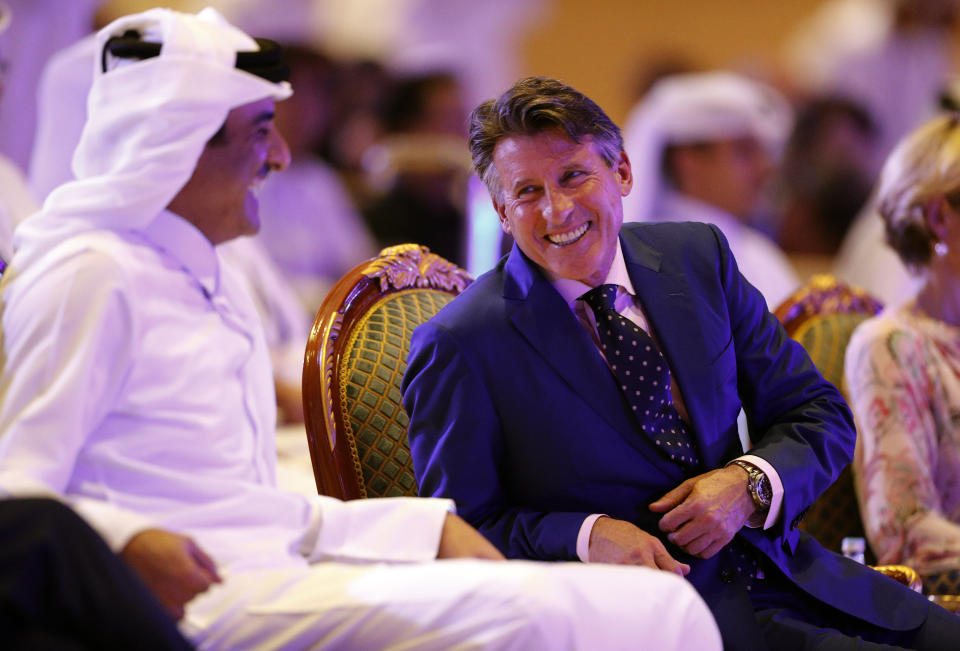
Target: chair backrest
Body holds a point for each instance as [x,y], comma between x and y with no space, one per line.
[355,360]
[822,316]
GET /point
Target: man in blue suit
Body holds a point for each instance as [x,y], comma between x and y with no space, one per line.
[580,400]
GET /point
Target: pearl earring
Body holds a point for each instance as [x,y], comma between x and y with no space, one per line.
[940,248]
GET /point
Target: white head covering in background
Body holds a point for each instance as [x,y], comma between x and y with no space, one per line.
[692,108]
[5,14]
[148,122]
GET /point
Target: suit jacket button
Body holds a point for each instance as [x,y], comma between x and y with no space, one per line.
[727,575]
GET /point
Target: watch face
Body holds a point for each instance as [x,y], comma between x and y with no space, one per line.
[764,490]
[759,484]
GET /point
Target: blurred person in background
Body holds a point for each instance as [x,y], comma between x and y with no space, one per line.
[703,148]
[422,165]
[16,199]
[37,29]
[890,56]
[354,125]
[893,57]
[903,366]
[311,228]
[824,181]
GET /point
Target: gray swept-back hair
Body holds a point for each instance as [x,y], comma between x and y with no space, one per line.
[534,105]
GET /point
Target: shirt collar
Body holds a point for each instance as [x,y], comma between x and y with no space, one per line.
[571,290]
[191,248]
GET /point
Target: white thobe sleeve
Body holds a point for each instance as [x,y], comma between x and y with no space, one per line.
[68,336]
[390,529]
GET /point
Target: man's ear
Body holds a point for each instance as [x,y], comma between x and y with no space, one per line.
[502,215]
[624,173]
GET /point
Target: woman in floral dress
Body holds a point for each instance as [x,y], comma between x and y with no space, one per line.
[903,367]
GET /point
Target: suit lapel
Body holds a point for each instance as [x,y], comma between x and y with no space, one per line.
[670,308]
[543,318]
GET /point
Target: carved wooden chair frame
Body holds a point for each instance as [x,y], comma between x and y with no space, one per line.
[402,268]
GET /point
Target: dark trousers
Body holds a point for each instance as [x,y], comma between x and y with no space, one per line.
[791,620]
[62,588]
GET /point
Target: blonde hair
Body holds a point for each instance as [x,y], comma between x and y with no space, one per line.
[924,166]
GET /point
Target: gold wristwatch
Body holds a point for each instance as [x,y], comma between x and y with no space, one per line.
[759,484]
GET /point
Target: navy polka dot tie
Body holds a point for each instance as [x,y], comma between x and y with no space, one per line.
[643,376]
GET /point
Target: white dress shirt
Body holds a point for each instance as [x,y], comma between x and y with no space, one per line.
[628,305]
[286,325]
[137,382]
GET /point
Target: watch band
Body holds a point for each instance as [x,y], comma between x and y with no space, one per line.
[758,483]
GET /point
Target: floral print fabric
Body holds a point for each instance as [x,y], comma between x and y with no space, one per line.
[903,378]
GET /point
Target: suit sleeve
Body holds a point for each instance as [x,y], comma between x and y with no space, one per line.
[457,445]
[799,422]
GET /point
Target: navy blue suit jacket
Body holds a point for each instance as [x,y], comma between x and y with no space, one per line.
[516,416]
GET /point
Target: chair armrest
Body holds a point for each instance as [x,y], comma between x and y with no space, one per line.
[903,574]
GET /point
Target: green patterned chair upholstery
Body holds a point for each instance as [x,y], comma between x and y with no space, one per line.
[944,583]
[354,363]
[822,316]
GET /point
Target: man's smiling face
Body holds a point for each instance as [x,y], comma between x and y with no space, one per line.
[222,192]
[561,202]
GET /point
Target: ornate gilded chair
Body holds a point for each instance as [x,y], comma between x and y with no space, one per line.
[354,363]
[822,316]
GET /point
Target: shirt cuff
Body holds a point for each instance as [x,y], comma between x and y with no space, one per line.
[583,538]
[776,486]
[390,529]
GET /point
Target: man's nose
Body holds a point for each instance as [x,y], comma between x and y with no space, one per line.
[558,205]
[278,157]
